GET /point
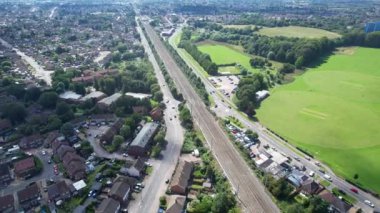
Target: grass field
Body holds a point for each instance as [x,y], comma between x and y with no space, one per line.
[221,54]
[333,112]
[299,32]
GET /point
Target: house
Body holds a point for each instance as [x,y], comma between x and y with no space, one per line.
[177,206]
[156,114]
[336,204]
[106,103]
[59,191]
[79,185]
[120,192]
[7,204]
[75,166]
[107,136]
[5,175]
[181,177]
[140,144]
[50,138]
[108,205]
[310,187]
[64,150]
[5,127]
[134,170]
[296,178]
[25,167]
[29,197]
[30,142]
[56,144]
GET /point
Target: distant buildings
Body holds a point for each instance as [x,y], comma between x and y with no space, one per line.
[140,144]
[372,27]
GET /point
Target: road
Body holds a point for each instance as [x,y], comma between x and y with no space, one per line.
[251,193]
[148,199]
[38,71]
[227,108]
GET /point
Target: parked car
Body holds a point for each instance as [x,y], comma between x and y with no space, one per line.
[369,203]
[328,177]
[354,190]
[311,174]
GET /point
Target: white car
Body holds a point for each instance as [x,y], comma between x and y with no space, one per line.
[369,203]
[311,174]
[125,155]
[328,177]
[43,152]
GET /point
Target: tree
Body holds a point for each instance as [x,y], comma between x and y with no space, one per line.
[53,123]
[158,96]
[16,90]
[125,131]
[63,110]
[356,176]
[117,140]
[223,202]
[32,94]
[15,112]
[156,151]
[67,129]
[160,138]
[48,99]
[252,135]
[317,205]
[287,68]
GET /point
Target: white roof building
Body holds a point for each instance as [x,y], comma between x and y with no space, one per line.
[70,95]
[79,185]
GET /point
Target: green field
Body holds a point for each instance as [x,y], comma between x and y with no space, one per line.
[333,112]
[299,32]
[221,54]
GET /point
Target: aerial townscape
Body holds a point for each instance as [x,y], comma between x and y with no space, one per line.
[191,106]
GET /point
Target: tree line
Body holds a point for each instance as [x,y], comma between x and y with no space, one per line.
[202,58]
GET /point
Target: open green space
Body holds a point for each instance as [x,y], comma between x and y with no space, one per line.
[333,112]
[299,32]
[221,54]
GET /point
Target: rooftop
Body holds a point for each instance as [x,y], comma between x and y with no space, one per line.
[138,95]
[69,95]
[95,94]
[145,135]
[109,100]
[24,164]
[108,205]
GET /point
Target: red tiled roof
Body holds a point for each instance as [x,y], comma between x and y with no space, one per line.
[24,164]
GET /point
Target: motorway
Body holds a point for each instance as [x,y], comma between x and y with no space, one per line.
[155,186]
[251,193]
[227,108]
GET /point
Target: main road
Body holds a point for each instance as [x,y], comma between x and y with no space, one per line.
[251,193]
[227,108]
[155,186]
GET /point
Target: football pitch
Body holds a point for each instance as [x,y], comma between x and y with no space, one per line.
[333,112]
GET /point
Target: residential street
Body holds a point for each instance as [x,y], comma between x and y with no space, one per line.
[227,108]
[251,193]
[148,199]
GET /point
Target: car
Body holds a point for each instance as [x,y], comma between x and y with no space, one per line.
[43,152]
[297,159]
[125,155]
[49,161]
[173,107]
[147,164]
[167,181]
[311,173]
[175,116]
[328,177]
[90,193]
[141,185]
[354,190]
[317,163]
[369,203]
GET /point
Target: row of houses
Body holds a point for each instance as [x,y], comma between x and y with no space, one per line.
[73,163]
[28,197]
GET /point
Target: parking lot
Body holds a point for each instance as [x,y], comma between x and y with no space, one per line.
[225,84]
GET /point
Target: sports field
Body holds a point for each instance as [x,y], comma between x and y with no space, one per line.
[221,54]
[299,32]
[333,112]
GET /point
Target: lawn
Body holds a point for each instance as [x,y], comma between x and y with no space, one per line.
[221,54]
[299,32]
[333,112]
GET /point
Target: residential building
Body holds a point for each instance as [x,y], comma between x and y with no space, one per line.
[134,170]
[70,97]
[7,204]
[336,204]
[107,136]
[106,103]
[59,191]
[297,178]
[178,205]
[140,144]
[25,167]
[29,197]
[181,177]
[310,187]
[156,114]
[5,175]
[96,96]
[108,205]
[74,166]
[120,192]
[31,142]
[142,110]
